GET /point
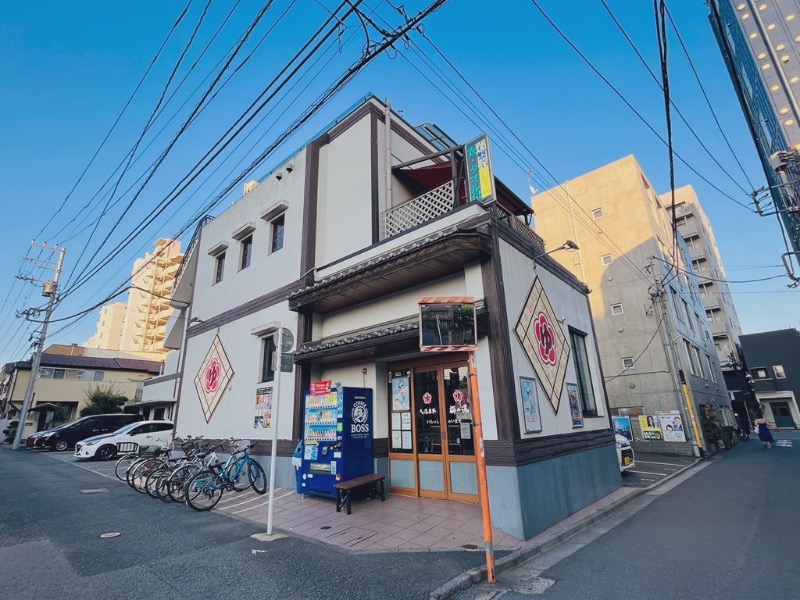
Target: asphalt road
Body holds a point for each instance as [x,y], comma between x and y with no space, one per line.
[50,547]
[728,529]
[651,468]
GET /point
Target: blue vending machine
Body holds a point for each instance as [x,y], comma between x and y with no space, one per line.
[337,438]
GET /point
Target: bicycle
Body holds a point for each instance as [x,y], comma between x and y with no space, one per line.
[205,489]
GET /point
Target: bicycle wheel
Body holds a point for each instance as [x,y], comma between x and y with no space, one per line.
[204,490]
[142,473]
[151,485]
[257,476]
[123,464]
[237,475]
[176,482]
[132,470]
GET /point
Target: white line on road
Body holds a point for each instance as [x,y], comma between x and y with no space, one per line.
[648,473]
[647,462]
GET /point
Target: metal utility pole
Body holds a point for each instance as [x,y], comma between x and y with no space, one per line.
[50,288]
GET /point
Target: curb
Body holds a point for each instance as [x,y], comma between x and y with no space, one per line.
[516,558]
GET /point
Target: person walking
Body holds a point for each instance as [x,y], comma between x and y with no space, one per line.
[764,434]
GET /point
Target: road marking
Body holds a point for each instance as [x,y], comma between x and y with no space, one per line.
[784,443]
[647,473]
[647,462]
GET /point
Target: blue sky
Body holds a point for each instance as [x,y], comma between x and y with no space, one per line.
[69,68]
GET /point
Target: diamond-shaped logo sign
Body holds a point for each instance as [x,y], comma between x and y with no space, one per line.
[545,345]
[213,378]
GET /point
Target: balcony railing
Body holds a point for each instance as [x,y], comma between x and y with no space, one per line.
[419,210]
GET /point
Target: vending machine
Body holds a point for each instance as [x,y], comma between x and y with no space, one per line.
[337,438]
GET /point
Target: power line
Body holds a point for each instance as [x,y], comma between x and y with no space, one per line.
[119,117]
[622,97]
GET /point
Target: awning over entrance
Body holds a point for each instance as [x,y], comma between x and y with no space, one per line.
[45,406]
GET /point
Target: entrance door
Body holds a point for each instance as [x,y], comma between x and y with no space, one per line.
[444,444]
[782,414]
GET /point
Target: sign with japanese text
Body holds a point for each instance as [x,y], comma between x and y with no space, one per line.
[480,179]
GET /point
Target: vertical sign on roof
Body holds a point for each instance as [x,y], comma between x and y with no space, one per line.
[480,180]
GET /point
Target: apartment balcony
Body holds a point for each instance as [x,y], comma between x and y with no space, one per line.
[684,210]
[419,210]
[719,334]
[711,305]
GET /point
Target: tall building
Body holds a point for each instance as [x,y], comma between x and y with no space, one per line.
[147,311]
[645,303]
[109,327]
[760,42]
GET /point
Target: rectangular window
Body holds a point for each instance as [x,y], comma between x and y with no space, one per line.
[688,314]
[269,355]
[627,363]
[759,372]
[700,368]
[99,376]
[606,259]
[584,376]
[219,267]
[676,304]
[692,359]
[616,309]
[597,213]
[779,372]
[46,373]
[711,370]
[59,373]
[278,226]
[247,252]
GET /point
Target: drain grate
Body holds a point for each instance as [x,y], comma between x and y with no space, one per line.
[470,546]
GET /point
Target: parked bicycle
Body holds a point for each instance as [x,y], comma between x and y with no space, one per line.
[205,489]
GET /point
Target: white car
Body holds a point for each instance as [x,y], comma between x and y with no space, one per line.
[627,460]
[134,436]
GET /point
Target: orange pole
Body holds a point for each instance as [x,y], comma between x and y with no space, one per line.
[483,484]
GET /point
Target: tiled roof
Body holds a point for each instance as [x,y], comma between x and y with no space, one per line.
[107,364]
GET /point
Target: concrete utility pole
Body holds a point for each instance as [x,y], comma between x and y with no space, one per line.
[697,447]
[50,288]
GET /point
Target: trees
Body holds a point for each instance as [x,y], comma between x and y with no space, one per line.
[103,400]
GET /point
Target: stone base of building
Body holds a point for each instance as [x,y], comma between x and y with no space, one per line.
[674,448]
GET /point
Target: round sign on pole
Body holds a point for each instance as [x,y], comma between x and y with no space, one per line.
[288,340]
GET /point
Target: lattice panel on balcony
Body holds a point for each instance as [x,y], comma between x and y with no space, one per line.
[418,210]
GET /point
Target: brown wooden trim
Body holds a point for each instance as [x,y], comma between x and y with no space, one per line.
[432,360]
[302,379]
[374,179]
[248,308]
[515,453]
[310,200]
[501,363]
[368,108]
[380,448]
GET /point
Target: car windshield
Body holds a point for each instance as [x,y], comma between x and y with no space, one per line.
[127,428]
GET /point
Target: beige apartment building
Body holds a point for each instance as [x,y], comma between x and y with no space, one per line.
[646,304]
[139,325]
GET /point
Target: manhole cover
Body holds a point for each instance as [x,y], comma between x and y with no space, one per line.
[94,491]
[110,534]
[470,546]
[325,527]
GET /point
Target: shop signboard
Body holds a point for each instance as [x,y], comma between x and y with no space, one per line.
[480,179]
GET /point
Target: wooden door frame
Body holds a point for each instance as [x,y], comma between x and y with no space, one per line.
[437,363]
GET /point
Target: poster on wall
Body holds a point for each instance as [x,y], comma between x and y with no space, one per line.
[575,411]
[672,427]
[263,418]
[622,426]
[400,394]
[530,404]
[651,428]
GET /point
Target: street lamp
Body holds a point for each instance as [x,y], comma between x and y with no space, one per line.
[568,245]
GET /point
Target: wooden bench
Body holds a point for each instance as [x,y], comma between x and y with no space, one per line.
[344,489]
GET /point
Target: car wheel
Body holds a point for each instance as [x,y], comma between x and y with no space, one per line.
[61,445]
[106,452]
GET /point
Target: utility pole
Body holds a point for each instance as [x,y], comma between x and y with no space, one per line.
[50,288]
[660,294]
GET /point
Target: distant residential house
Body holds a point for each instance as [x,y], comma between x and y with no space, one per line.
[773,358]
[64,382]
